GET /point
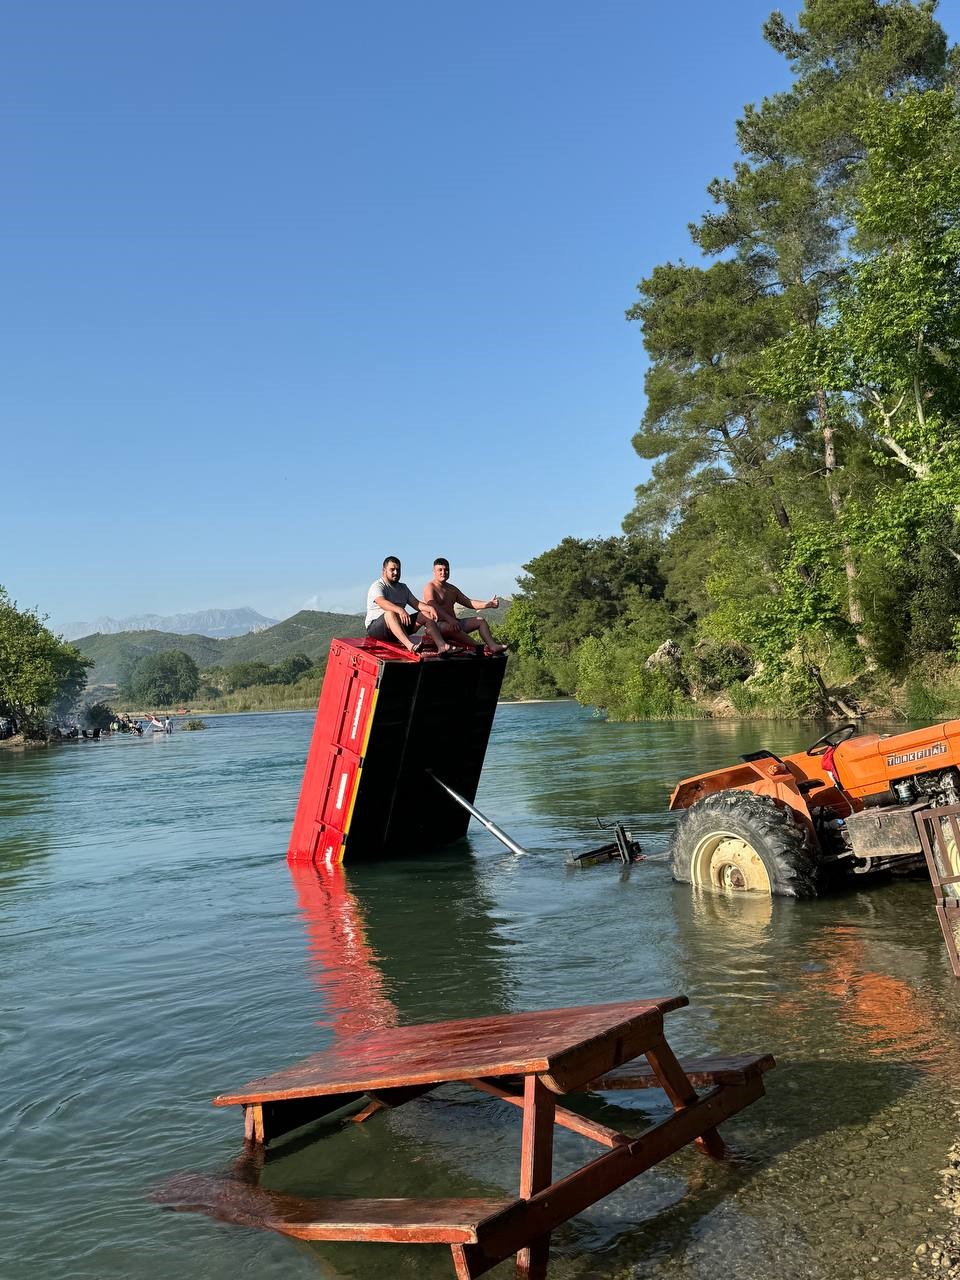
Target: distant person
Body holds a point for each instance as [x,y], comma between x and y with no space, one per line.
[167,726]
[387,617]
[444,596]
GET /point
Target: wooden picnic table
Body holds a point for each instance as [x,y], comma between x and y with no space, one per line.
[527,1059]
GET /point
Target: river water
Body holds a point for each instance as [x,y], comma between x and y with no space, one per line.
[155,950]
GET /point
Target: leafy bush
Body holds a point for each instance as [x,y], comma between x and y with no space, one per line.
[38,670]
[528,677]
[97,715]
[163,679]
[614,681]
[192,725]
[712,666]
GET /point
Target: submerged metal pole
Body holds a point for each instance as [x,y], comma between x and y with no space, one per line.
[481,818]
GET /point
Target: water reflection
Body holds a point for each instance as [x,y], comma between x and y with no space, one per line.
[342,962]
[380,936]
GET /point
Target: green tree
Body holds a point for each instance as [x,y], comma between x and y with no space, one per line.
[39,672]
[163,679]
[888,348]
[241,675]
[780,570]
[291,669]
[97,716]
[580,587]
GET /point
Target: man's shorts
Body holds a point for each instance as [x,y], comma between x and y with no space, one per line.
[378,629]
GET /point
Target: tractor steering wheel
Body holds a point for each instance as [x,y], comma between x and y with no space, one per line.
[832,739]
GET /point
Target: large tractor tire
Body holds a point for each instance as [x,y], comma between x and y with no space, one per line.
[741,842]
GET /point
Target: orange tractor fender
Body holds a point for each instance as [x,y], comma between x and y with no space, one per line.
[766,777]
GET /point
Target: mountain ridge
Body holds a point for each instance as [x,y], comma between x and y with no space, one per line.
[309,631]
[218,624]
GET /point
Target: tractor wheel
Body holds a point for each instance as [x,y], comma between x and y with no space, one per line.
[741,842]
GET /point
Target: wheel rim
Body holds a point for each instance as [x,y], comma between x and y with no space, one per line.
[726,863]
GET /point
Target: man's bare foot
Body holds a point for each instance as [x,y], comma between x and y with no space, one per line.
[496,648]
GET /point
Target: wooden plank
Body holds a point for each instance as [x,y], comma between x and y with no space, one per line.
[681,1092]
[559,1044]
[507,1232]
[948,913]
[387,1099]
[703,1073]
[602,1053]
[566,1119]
[536,1169]
[400,1221]
[269,1120]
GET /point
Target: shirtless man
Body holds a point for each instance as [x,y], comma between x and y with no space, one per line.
[443,595]
[387,616]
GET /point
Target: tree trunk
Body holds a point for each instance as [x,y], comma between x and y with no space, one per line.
[854,612]
[779,510]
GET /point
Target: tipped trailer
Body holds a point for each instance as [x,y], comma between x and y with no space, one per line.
[386,721]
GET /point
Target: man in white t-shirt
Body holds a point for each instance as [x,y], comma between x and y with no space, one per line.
[387,617]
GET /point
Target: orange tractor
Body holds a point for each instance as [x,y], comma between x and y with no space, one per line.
[795,826]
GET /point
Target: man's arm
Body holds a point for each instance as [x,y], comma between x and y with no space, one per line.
[388,606]
[421,606]
[493,603]
[428,606]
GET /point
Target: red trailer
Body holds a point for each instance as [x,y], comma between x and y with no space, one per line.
[386,720]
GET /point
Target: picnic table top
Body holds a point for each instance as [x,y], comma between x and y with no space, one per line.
[547,1041]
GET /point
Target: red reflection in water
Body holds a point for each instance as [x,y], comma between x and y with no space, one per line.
[343,964]
[885,1011]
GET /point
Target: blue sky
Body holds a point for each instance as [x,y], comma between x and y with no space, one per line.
[291,285]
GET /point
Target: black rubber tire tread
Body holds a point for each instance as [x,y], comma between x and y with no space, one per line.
[784,844]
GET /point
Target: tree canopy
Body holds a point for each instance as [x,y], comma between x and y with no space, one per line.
[39,672]
[802,409]
[163,679]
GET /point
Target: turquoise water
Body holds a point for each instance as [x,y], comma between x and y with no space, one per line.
[155,949]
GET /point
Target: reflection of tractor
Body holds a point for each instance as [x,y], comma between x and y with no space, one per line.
[792,826]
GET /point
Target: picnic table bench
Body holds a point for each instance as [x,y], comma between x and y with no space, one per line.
[527,1059]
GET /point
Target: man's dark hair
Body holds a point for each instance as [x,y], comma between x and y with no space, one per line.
[440,560]
[390,560]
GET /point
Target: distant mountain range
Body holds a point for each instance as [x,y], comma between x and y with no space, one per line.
[216,623]
[306,632]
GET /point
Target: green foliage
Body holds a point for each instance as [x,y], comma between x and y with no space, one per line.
[244,674]
[299,696]
[527,677]
[291,669]
[97,716]
[192,725]
[712,666]
[923,701]
[39,672]
[580,587]
[308,632]
[520,629]
[611,679]
[163,679]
